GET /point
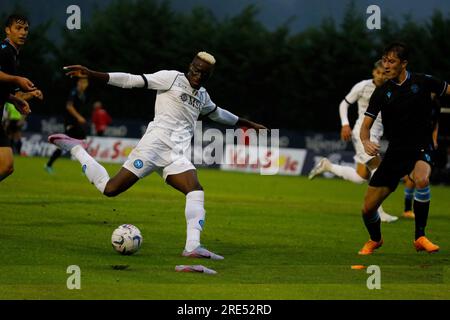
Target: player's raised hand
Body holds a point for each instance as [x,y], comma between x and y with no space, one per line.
[77,71]
[346,133]
[371,148]
[25,84]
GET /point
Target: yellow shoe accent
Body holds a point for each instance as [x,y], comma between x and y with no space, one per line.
[370,246]
[409,214]
[423,244]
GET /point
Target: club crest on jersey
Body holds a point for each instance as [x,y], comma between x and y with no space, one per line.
[3,46]
[389,94]
[138,164]
[415,88]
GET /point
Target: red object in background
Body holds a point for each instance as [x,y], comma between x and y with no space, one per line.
[101,119]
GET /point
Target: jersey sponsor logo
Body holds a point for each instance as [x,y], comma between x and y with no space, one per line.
[138,164]
[191,101]
[415,88]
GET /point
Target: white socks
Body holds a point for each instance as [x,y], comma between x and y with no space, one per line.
[195,218]
[95,173]
[347,173]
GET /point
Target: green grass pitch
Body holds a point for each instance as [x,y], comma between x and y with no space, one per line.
[282,238]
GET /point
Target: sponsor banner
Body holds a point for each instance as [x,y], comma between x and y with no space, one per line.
[245,159]
[110,150]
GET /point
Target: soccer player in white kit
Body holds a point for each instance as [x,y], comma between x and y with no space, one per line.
[365,164]
[180,100]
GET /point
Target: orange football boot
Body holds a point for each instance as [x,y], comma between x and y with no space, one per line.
[423,244]
[408,214]
[370,246]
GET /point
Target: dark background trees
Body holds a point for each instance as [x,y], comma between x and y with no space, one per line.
[285,80]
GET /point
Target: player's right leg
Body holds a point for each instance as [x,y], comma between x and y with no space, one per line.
[344,172]
[95,172]
[182,176]
[6,161]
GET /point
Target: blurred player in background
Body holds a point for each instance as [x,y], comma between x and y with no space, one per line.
[16,29]
[409,184]
[100,119]
[180,99]
[74,121]
[406,107]
[365,164]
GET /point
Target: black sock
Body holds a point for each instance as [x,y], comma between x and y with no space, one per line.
[54,156]
[373,225]
[408,204]
[421,211]
[409,197]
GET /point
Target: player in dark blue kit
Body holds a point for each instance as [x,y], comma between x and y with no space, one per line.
[406,109]
[16,28]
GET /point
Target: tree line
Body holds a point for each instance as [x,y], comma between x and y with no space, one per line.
[277,77]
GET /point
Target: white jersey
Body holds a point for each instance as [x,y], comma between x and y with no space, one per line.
[177,105]
[361,93]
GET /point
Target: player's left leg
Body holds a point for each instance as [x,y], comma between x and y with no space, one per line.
[187,182]
[421,177]
[409,197]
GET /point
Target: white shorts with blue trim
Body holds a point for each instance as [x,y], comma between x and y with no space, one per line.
[152,154]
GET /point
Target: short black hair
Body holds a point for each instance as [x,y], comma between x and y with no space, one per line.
[398,48]
[16,18]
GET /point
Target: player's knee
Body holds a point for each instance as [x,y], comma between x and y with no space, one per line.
[6,169]
[368,209]
[422,182]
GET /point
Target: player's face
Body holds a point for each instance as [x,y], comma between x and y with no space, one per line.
[199,72]
[378,76]
[393,66]
[17,33]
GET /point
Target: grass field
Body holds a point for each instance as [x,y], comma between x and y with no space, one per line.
[282,238]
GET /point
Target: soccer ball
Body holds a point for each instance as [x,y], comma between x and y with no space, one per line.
[126,239]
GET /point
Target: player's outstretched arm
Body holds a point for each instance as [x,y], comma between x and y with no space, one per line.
[370,147]
[250,124]
[117,79]
[226,117]
[79,71]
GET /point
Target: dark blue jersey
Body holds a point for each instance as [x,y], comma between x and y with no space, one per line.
[407,109]
[9,61]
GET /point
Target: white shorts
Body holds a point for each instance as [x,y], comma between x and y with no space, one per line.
[152,154]
[360,154]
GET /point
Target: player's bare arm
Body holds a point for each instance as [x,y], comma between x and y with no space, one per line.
[370,147]
[23,83]
[21,105]
[79,71]
[30,95]
[250,124]
[71,109]
[346,133]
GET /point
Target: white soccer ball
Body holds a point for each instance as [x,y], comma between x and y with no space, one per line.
[126,239]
